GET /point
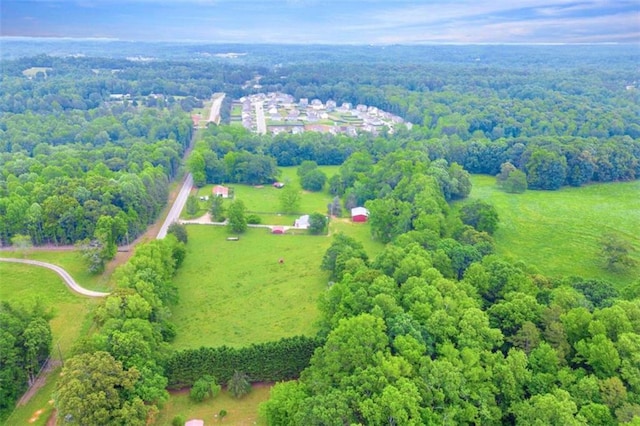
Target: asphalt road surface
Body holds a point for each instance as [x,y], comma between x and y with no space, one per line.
[178,205]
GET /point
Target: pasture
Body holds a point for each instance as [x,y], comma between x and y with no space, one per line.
[27,285]
[558,232]
[237,292]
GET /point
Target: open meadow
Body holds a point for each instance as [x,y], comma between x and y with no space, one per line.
[558,232]
[237,292]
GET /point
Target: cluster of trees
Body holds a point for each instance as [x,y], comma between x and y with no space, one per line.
[65,168]
[405,344]
[230,154]
[119,369]
[264,362]
[25,343]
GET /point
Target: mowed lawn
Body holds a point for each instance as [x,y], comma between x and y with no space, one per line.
[558,232]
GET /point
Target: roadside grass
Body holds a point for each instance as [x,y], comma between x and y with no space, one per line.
[72,262]
[27,285]
[37,411]
[558,232]
[239,411]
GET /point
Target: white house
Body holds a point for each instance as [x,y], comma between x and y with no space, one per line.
[302,222]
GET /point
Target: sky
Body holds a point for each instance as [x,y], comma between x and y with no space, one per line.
[327,21]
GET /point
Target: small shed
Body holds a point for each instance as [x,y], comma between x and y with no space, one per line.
[220,191]
[194,422]
[359,214]
[277,229]
[302,222]
[278,185]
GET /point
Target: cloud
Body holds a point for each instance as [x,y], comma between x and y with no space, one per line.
[331,21]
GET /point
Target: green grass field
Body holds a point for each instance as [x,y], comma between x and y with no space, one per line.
[72,263]
[558,232]
[239,411]
[265,199]
[236,292]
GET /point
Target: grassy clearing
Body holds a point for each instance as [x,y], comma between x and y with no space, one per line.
[558,232]
[239,411]
[25,284]
[236,292]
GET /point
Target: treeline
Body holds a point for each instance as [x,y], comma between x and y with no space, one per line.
[264,362]
[437,330]
[119,369]
[25,344]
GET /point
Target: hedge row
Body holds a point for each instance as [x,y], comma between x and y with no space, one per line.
[265,362]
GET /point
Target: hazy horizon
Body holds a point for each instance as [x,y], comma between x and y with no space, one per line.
[350,22]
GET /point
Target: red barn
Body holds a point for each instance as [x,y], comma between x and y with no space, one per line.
[359,214]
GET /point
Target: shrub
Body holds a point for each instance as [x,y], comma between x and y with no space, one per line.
[178,420]
[254,219]
[203,388]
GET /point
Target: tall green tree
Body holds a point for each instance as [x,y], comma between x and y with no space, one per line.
[94,389]
[237,217]
[289,199]
[616,251]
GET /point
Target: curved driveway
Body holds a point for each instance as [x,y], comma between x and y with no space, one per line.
[68,279]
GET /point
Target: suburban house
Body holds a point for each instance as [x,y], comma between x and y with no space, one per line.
[220,191]
[359,214]
[302,222]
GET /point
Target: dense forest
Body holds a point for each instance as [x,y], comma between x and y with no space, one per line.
[436,329]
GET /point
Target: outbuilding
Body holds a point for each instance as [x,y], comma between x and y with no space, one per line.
[359,214]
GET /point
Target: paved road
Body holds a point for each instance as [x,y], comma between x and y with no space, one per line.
[178,205]
[68,279]
[261,123]
[214,114]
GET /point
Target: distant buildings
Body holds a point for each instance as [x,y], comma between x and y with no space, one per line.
[277,112]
